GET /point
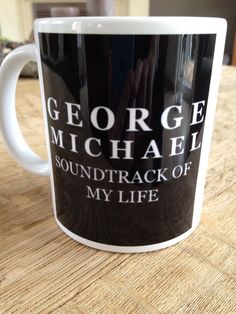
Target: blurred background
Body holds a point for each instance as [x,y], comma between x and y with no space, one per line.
[16,16]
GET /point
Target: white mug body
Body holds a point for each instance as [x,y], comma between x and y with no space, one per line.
[129,107]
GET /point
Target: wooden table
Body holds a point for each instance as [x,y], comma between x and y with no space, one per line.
[43,270]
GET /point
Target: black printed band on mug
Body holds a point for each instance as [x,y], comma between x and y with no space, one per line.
[126,118]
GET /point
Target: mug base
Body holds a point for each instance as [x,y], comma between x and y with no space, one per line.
[124,249]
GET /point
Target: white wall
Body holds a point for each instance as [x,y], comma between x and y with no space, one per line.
[138,7]
[16,17]
[11,24]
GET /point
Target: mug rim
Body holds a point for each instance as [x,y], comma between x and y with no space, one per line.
[131,25]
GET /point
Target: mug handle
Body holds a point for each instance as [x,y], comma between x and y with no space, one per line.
[16,144]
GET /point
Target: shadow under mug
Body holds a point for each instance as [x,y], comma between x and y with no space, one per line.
[129,107]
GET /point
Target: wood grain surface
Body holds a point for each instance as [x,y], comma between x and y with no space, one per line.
[42,270]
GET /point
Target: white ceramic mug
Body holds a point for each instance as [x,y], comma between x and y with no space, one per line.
[129,106]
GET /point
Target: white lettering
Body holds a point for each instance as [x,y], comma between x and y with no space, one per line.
[116,149]
[133,120]
[194,142]
[54,114]
[72,116]
[110,118]
[57,137]
[153,150]
[165,116]
[87,145]
[98,194]
[73,142]
[197,112]
[187,167]
[177,171]
[177,145]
